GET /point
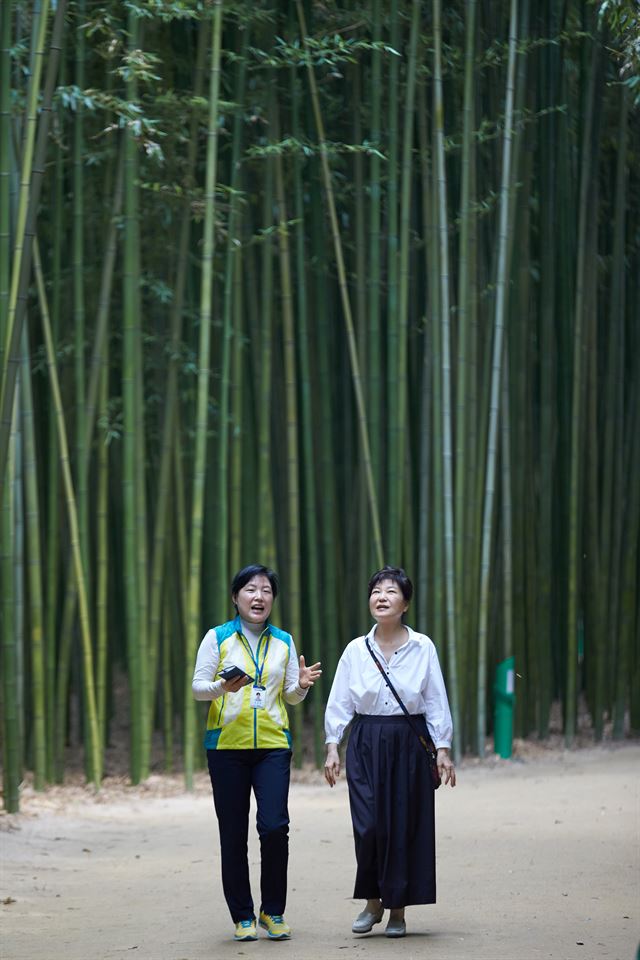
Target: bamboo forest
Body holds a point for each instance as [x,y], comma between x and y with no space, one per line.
[322,286]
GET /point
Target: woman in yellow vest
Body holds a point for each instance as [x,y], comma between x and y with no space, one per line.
[248,744]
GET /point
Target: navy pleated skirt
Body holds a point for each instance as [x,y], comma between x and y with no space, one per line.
[392,809]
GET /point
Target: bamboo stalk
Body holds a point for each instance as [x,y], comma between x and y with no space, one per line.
[498,336]
[31,181]
[167,693]
[142,552]
[425,497]
[231,381]
[627,676]
[5,174]
[169,416]
[291,419]
[310,531]
[398,446]
[131,440]
[52,559]
[466,293]
[18,560]
[374,378]
[266,535]
[447,456]
[595,579]
[34,566]
[12,773]
[102,314]
[239,431]
[329,523]
[344,293]
[206,292]
[393,491]
[40,14]
[102,559]
[548,374]
[505,462]
[10,723]
[78,273]
[432,254]
[360,559]
[618,302]
[571,690]
[85,632]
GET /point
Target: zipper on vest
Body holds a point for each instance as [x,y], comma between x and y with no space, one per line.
[220,710]
[255,728]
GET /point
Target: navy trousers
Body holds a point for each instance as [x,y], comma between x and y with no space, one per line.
[234,773]
[392,809]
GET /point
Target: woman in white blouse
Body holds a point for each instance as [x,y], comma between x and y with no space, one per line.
[391,793]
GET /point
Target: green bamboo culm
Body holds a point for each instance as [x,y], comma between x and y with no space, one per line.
[307,417]
[233,387]
[74,534]
[53,530]
[5,174]
[548,400]
[78,271]
[206,294]
[463,374]
[11,733]
[102,558]
[292,447]
[35,568]
[10,720]
[157,634]
[399,403]
[618,552]
[496,372]
[12,339]
[346,303]
[447,468]
[131,317]
[577,416]
[266,535]
[395,467]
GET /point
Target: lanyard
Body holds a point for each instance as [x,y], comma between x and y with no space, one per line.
[255,660]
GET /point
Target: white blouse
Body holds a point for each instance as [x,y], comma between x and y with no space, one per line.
[414,670]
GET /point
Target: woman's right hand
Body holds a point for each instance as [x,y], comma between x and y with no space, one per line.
[332,764]
[232,686]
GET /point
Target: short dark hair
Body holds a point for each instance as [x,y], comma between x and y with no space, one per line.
[398,576]
[242,577]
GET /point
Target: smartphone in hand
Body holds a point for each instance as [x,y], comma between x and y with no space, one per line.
[230,673]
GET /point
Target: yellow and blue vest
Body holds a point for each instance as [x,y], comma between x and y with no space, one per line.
[232,724]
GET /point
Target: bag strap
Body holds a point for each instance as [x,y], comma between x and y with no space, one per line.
[426,742]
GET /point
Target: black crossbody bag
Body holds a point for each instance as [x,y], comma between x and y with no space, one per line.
[426,741]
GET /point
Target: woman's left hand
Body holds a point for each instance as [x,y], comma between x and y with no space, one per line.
[308,675]
[446,767]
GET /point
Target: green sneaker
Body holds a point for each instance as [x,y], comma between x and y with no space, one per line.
[245,930]
[276,926]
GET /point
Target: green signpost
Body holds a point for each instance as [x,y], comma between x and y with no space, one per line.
[504,696]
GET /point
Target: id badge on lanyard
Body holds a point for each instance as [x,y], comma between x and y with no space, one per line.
[258,694]
[258,697]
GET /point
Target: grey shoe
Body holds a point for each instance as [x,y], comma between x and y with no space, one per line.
[396,928]
[365,921]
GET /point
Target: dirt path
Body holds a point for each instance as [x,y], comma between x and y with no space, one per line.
[535,860]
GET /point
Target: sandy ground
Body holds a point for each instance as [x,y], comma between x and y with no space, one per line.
[536,859]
